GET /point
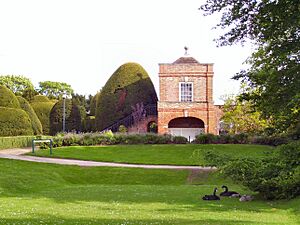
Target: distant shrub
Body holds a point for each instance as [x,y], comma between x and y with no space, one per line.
[14,122]
[122,129]
[8,98]
[273,140]
[35,122]
[206,139]
[179,140]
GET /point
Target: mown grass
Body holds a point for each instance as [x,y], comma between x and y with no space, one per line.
[190,154]
[36,193]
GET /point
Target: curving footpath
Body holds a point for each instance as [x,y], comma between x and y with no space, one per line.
[18,154]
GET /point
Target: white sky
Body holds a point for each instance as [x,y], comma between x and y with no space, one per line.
[82,42]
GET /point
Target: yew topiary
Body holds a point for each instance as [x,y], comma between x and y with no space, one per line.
[8,98]
[35,122]
[14,122]
[42,107]
[72,117]
[129,84]
[40,98]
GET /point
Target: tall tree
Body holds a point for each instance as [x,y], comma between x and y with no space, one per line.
[274,27]
[55,90]
[239,117]
[19,85]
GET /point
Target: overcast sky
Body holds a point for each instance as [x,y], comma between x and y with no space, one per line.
[82,42]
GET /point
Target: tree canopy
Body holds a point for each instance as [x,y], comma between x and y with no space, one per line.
[273,77]
[19,85]
[55,90]
[238,117]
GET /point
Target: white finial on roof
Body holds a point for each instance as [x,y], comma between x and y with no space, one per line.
[186,50]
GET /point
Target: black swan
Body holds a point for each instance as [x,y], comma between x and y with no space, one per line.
[211,197]
[228,193]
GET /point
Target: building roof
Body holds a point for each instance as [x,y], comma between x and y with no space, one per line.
[186,60]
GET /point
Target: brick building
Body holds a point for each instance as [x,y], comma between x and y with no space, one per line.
[185,106]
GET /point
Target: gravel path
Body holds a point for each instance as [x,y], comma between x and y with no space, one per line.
[17,154]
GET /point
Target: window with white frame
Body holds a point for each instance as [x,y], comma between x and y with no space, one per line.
[186,91]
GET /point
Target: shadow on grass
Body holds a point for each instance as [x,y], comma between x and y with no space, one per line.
[50,219]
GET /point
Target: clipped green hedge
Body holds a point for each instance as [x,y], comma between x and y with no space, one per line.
[42,110]
[40,98]
[8,98]
[35,122]
[14,122]
[129,84]
[72,117]
[16,142]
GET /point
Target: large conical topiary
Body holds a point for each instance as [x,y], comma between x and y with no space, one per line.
[8,98]
[130,84]
[35,122]
[72,117]
[42,107]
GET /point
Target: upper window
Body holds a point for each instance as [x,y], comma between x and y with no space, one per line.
[186,91]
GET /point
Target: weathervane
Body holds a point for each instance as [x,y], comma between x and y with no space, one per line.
[186,50]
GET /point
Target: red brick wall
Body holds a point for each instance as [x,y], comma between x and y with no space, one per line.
[169,107]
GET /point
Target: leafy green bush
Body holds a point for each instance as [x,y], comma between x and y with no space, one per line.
[122,129]
[179,140]
[108,138]
[273,140]
[72,117]
[16,142]
[14,122]
[276,177]
[42,107]
[206,139]
[35,122]
[8,98]
[130,84]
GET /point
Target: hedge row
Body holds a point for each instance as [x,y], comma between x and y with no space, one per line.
[241,139]
[86,139]
[15,142]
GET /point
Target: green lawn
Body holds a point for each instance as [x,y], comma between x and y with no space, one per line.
[36,193]
[190,154]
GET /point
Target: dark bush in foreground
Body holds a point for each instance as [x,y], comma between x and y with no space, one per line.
[276,177]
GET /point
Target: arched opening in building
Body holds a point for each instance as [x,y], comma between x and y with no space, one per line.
[152,127]
[188,127]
